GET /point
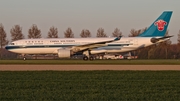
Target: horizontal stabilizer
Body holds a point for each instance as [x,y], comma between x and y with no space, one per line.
[154,40]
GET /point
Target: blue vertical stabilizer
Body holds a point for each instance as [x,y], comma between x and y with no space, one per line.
[159,26]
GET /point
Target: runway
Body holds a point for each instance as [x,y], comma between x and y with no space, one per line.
[86,67]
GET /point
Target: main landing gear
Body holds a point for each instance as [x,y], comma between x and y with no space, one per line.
[91,58]
[87,56]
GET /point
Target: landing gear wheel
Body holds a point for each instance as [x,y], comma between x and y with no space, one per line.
[91,58]
[24,58]
[85,58]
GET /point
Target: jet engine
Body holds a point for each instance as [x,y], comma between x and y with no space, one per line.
[64,53]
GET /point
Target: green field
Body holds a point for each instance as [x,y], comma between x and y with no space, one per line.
[90,86]
[96,62]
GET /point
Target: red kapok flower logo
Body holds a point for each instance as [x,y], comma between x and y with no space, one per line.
[160,24]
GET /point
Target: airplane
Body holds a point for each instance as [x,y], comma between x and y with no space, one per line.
[67,47]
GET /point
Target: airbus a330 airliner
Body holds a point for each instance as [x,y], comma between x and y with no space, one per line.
[67,47]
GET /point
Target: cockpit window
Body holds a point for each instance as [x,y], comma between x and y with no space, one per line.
[11,43]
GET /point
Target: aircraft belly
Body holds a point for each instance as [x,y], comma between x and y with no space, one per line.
[34,50]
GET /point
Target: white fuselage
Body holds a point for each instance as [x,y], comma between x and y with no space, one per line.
[51,46]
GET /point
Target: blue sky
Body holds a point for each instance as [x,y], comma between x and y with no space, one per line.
[87,14]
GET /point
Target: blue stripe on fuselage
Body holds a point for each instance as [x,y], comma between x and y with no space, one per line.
[57,46]
[35,46]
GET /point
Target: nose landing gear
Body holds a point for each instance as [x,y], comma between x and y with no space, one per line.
[24,57]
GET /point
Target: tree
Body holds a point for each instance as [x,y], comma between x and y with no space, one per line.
[134,32]
[116,33]
[68,33]
[16,33]
[34,32]
[3,40]
[167,41]
[165,45]
[161,50]
[53,33]
[85,33]
[101,33]
[178,37]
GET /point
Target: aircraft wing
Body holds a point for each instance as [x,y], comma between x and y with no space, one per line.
[93,45]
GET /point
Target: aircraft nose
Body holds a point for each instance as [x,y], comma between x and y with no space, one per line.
[6,47]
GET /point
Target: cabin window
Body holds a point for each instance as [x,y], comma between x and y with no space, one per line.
[12,43]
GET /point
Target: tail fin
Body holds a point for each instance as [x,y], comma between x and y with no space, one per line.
[159,26]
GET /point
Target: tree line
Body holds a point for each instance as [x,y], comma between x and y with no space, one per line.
[162,50]
[35,32]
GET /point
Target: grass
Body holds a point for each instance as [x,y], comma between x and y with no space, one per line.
[95,62]
[90,86]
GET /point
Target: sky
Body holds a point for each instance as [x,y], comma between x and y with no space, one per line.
[87,14]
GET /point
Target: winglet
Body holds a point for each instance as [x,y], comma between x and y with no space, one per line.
[117,38]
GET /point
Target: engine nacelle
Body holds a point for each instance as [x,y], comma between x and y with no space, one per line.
[64,53]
